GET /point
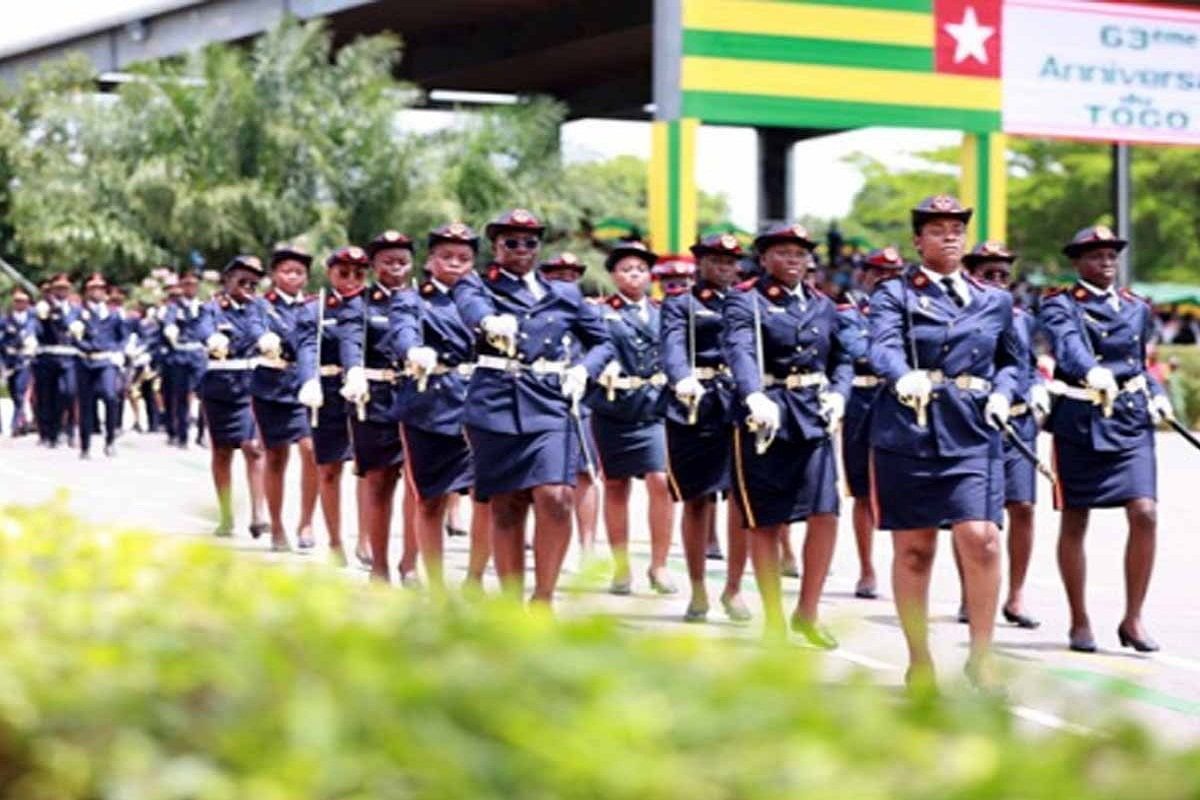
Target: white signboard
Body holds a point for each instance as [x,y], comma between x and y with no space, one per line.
[1109,71]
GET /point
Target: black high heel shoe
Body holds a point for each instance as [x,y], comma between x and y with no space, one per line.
[1020,620]
[1146,645]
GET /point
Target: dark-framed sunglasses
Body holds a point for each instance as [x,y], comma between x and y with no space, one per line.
[996,275]
[528,243]
[246,283]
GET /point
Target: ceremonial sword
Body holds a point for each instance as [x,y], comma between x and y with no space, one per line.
[1025,451]
[573,410]
[763,436]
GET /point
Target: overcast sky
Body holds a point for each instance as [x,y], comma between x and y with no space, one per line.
[726,157]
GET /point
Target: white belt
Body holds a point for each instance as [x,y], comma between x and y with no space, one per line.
[540,367]
[108,355]
[1135,385]
[465,369]
[329,370]
[57,350]
[189,346]
[273,363]
[709,373]
[1018,410]
[799,380]
[231,364]
[967,383]
[380,375]
[866,381]
[633,382]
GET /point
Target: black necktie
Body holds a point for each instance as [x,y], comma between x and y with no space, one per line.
[952,290]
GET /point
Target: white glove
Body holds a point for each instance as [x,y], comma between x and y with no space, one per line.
[269,344]
[1101,379]
[574,382]
[42,309]
[996,411]
[611,370]
[311,394]
[77,328]
[763,411]
[355,387]
[1160,408]
[1039,400]
[131,347]
[499,325]
[915,385]
[424,358]
[833,408]
[217,344]
[171,333]
[119,360]
[29,345]
[688,388]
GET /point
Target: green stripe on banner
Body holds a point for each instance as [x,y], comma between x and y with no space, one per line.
[799,50]
[673,198]
[983,175]
[921,6]
[751,109]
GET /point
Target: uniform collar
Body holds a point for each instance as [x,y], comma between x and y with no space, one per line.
[639,304]
[386,291]
[288,299]
[957,278]
[441,287]
[1111,291]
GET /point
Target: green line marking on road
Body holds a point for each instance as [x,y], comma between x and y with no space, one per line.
[1123,687]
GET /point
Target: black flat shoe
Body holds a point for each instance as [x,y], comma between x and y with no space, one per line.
[257,529]
[1020,620]
[1146,645]
[452,531]
[816,635]
[962,615]
[1082,642]
[866,591]
[713,553]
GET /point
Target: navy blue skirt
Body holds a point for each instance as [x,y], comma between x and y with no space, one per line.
[331,437]
[510,462]
[280,424]
[230,423]
[377,445]
[437,464]
[1091,479]
[911,492]
[698,459]
[592,452]
[856,462]
[1020,476]
[629,449]
[793,480]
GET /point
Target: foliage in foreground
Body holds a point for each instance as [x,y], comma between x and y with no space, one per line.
[135,666]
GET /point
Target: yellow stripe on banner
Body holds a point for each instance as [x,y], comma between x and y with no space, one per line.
[812,21]
[998,188]
[658,193]
[928,90]
[687,198]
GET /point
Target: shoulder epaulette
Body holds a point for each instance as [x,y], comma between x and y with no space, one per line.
[1130,295]
[747,284]
[1053,291]
[845,306]
[271,296]
[493,274]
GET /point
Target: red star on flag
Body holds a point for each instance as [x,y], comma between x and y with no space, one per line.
[968,37]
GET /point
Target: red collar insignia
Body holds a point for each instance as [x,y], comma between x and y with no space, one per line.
[272,296]
[616,302]
[920,280]
[774,292]
[427,289]
[493,274]
[1080,293]
[706,294]
[332,301]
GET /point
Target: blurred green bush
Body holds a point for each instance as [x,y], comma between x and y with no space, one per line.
[138,667]
[1184,384]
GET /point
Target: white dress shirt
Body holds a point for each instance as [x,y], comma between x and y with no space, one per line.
[957,280]
[1110,294]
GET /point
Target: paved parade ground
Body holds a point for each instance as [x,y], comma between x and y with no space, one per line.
[150,485]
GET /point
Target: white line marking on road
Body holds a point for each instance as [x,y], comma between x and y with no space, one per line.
[864,661]
[1176,661]
[1049,720]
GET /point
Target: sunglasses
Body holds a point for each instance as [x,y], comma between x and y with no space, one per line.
[995,275]
[529,243]
[246,283]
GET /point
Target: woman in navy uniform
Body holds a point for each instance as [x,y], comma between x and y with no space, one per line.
[991,263]
[522,401]
[227,324]
[699,419]
[946,347]
[854,335]
[378,450]
[1103,426]
[333,384]
[430,338]
[54,364]
[627,425]
[567,267]
[184,361]
[792,377]
[279,329]
[101,335]
[18,337]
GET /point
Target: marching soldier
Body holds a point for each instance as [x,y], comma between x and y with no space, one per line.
[522,402]
[378,449]
[674,274]
[792,376]
[185,359]
[991,263]
[162,355]
[332,379]
[147,363]
[54,365]
[567,267]
[854,337]
[101,335]
[18,340]
[280,327]
[227,324]
[699,420]
[429,336]
[945,345]
[627,424]
[1103,426]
